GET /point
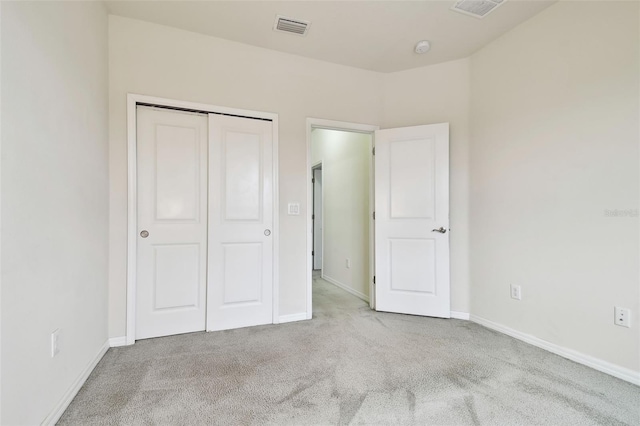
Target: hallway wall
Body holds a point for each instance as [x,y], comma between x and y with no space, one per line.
[346,158]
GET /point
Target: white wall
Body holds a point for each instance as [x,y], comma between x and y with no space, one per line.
[346,158]
[54,200]
[555,131]
[436,94]
[161,61]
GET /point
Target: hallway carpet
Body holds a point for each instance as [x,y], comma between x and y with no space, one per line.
[349,365]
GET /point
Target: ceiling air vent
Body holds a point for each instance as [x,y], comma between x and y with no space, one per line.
[477,8]
[292,26]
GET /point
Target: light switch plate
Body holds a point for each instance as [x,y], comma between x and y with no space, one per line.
[293,209]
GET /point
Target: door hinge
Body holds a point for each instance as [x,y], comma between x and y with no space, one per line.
[374,280]
[373,151]
[313,216]
[313,180]
[313,253]
[374,215]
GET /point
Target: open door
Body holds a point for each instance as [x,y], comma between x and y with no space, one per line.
[412,220]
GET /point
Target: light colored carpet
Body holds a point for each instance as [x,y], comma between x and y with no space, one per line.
[349,365]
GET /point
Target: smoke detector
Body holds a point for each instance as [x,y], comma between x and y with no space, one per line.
[477,8]
[422,46]
[290,25]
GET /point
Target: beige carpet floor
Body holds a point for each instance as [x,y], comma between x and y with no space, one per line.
[349,365]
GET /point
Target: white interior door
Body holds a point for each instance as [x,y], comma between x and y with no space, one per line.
[317,218]
[172,222]
[240,221]
[412,220]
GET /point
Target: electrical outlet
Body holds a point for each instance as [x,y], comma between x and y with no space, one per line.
[516,292]
[55,340]
[622,316]
[348,263]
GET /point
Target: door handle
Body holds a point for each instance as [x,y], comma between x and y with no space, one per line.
[440,230]
[267,232]
[144,233]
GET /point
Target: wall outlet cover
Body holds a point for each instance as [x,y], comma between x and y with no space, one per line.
[55,342]
[516,292]
[622,316]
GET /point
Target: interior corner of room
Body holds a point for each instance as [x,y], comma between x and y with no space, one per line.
[542,185]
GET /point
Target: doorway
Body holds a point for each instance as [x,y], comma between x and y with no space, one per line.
[341,196]
[202,206]
[409,240]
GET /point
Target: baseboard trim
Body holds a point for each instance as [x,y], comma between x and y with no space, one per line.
[57,412]
[346,288]
[114,342]
[584,359]
[293,317]
[460,315]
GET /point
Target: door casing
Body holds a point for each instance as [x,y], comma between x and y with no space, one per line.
[132,199]
[318,123]
[317,167]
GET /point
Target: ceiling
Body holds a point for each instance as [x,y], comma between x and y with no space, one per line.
[373,35]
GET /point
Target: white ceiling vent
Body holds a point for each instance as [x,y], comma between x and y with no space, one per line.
[290,25]
[477,8]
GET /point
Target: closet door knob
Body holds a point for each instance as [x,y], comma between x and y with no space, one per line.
[144,233]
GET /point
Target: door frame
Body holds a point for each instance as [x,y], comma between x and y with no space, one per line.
[319,123]
[133,100]
[314,167]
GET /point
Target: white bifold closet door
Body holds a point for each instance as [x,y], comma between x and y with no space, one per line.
[172,222]
[205,217]
[240,222]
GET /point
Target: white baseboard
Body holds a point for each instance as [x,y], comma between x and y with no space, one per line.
[460,315]
[57,412]
[114,342]
[346,288]
[293,317]
[595,363]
